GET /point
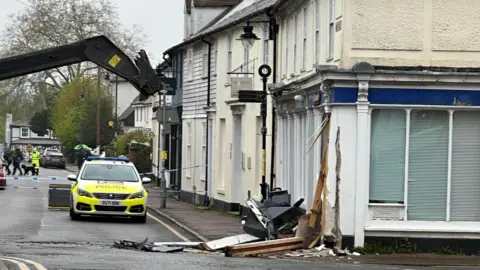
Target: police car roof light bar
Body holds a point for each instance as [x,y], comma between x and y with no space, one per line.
[90,158]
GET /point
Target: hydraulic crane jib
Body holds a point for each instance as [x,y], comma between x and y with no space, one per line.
[99,50]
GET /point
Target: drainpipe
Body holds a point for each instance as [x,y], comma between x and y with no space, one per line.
[206,200]
[273,36]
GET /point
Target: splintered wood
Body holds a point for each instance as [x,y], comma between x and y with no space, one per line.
[264,247]
[310,226]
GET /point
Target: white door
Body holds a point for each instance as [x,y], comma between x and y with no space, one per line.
[209,169]
[238,195]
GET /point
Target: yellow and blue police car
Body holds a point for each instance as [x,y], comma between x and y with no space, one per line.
[108,186]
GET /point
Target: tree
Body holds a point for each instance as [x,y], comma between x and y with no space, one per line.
[40,122]
[49,23]
[88,122]
[74,113]
[66,113]
[124,140]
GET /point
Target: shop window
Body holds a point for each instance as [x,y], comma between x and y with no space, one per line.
[465,179]
[428,165]
[387,156]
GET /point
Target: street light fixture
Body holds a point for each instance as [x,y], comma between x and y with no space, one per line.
[248,38]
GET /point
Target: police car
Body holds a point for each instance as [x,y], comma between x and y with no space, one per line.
[108,186]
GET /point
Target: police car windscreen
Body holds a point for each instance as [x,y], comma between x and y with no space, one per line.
[107,172]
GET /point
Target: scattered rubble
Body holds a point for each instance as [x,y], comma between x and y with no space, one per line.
[147,246]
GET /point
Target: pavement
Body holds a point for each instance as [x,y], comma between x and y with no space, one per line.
[205,224]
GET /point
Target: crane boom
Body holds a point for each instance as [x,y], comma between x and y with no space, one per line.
[99,50]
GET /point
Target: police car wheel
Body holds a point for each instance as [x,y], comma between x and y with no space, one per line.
[73,215]
[141,219]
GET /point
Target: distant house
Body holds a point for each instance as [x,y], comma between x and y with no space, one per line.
[127,118]
[21,135]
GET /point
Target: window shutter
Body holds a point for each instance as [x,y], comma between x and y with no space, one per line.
[465,187]
[428,161]
[387,158]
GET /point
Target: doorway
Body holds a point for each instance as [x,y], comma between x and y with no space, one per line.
[238,195]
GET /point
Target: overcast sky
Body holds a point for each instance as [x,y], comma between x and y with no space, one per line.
[161,20]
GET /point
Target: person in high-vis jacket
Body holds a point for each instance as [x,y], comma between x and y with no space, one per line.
[36,159]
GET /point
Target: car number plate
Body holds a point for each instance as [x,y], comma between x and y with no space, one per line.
[110,203]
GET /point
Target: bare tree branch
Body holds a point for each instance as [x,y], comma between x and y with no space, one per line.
[49,23]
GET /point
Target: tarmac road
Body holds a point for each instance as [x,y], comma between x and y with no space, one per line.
[33,237]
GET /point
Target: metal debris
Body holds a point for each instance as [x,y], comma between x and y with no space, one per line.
[146,246]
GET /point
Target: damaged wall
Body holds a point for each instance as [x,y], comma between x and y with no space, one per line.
[346,118]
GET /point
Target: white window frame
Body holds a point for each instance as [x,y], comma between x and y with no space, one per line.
[204,151]
[246,58]
[266,46]
[331,29]
[316,28]
[304,45]
[189,150]
[229,55]
[294,42]
[21,132]
[205,62]
[190,64]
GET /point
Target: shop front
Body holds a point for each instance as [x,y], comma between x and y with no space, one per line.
[410,147]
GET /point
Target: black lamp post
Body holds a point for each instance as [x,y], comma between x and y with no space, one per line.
[264,71]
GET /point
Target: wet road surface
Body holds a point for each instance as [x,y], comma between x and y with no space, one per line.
[33,237]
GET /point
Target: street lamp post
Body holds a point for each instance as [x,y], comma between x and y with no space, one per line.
[163,196]
[264,71]
[99,70]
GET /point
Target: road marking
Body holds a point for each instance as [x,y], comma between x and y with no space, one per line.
[37,265]
[185,239]
[20,265]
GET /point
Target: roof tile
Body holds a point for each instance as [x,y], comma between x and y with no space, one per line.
[215,3]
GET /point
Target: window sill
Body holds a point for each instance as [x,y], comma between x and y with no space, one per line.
[386,204]
[202,179]
[329,59]
[204,77]
[422,226]
[221,191]
[188,176]
[227,85]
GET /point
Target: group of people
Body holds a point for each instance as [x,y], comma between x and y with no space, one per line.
[16,158]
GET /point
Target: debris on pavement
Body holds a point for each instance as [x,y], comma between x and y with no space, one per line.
[228,241]
[195,245]
[146,246]
[264,247]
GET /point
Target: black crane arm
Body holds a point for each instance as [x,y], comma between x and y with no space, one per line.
[99,50]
